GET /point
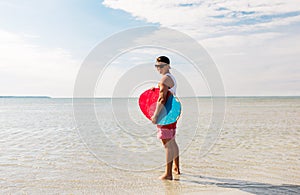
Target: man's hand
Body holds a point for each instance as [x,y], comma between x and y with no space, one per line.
[154,119]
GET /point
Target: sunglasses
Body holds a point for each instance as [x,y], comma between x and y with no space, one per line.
[160,66]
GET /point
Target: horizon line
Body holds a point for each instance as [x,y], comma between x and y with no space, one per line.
[230,96]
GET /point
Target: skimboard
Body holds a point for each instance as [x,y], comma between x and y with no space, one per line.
[168,115]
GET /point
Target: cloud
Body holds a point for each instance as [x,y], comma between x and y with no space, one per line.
[205,17]
[29,69]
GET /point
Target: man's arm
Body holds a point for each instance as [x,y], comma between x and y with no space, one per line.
[162,99]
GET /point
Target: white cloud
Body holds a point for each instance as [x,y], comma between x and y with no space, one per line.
[28,69]
[206,17]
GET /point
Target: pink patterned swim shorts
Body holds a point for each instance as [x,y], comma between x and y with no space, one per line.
[166,131]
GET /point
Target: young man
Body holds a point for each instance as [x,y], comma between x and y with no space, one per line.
[166,133]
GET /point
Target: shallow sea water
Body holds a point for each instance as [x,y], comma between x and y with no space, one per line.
[42,150]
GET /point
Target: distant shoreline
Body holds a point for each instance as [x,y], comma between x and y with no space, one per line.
[25,97]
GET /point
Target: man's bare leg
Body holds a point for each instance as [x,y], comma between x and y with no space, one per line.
[169,159]
[176,159]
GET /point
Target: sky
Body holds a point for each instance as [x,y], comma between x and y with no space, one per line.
[254,44]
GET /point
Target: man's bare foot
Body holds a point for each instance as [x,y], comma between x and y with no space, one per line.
[165,176]
[176,171]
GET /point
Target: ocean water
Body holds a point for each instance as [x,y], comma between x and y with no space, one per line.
[106,146]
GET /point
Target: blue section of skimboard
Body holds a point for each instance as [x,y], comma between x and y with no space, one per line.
[171,111]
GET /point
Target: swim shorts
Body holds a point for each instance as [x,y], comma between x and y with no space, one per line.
[166,131]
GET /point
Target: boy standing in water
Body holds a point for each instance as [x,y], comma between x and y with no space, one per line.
[166,133]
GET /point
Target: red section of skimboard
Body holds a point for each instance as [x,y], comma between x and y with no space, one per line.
[147,102]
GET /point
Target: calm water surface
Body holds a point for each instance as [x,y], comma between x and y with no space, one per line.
[257,151]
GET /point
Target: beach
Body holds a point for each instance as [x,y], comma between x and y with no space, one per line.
[43,152]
